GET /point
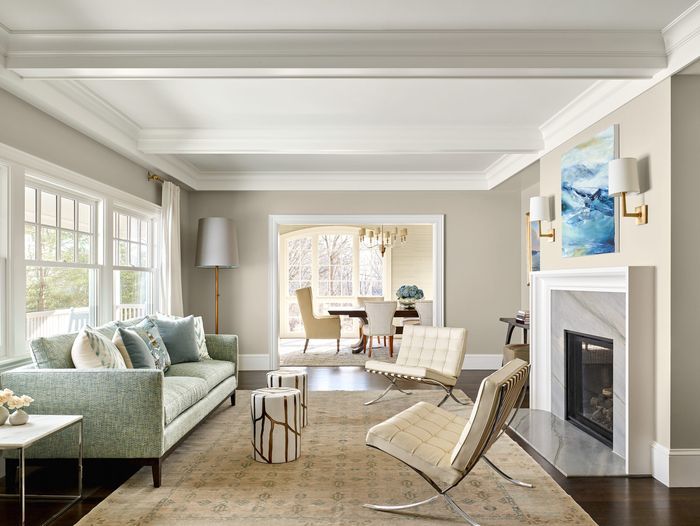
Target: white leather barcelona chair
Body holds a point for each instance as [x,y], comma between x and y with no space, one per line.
[431,355]
[443,447]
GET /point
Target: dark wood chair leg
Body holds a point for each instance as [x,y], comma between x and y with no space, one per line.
[157,469]
[306,344]
[337,346]
[391,346]
[233,398]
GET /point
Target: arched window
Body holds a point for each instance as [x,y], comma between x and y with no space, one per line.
[338,268]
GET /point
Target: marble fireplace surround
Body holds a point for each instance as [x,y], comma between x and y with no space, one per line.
[616,303]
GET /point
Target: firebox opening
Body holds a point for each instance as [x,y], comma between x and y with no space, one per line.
[589,384]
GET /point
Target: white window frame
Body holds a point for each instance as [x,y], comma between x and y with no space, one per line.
[40,185]
[152,222]
[314,233]
[20,165]
[4,250]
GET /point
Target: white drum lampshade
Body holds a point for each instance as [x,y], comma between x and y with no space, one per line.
[217,243]
[540,208]
[623,176]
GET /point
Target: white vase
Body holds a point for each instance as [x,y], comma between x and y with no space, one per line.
[4,413]
[19,418]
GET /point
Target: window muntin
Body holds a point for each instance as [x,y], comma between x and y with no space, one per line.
[332,261]
[60,258]
[134,271]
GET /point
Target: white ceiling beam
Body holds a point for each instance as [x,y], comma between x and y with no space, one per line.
[345,140]
[342,181]
[366,54]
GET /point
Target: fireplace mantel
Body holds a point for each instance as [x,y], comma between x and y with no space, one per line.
[637,284]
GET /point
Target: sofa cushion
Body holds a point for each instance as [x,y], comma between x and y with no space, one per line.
[179,338]
[199,334]
[150,334]
[180,393]
[93,350]
[53,352]
[134,350]
[213,372]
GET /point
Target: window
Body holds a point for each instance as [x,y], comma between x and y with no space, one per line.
[134,271]
[332,261]
[60,252]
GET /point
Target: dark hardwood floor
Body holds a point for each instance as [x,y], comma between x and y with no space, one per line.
[610,501]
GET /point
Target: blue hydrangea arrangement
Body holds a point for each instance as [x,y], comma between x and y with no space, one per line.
[409,292]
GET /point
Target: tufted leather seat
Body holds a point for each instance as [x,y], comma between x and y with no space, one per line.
[444,447]
[427,354]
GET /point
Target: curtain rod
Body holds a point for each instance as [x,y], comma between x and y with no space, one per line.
[155,178]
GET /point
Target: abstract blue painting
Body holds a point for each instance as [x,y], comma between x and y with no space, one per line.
[587,211]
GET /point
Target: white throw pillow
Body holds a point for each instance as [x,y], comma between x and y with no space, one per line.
[92,350]
[199,335]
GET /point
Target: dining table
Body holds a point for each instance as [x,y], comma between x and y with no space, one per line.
[361,314]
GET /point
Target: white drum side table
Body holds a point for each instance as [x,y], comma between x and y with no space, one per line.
[22,437]
[276,415]
[296,378]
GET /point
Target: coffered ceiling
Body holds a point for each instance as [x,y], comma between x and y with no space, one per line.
[329,94]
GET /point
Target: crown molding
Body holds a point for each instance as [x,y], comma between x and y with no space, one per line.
[75,107]
[327,139]
[336,53]
[507,166]
[341,181]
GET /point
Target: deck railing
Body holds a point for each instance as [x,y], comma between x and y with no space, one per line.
[59,321]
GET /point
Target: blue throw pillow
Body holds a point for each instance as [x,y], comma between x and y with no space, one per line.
[179,338]
[151,335]
[137,349]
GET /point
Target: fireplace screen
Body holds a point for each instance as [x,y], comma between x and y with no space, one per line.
[589,384]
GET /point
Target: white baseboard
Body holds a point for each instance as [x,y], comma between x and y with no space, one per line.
[482,361]
[676,468]
[254,362]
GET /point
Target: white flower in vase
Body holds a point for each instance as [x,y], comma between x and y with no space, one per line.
[19,417]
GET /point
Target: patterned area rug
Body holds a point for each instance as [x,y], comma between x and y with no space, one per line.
[212,479]
[322,353]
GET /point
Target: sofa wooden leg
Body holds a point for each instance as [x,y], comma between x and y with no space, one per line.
[306,344]
[233,398]
[157,469]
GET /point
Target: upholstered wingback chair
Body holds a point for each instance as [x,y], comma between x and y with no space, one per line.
[317,327]
[380,318]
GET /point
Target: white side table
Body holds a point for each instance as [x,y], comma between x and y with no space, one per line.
[276,415]
[296,378]
[22,437]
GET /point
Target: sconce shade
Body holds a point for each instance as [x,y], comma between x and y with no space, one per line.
[217,243]
[540,208]
[623,176]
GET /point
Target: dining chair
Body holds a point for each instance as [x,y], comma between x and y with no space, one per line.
[424,308]
[362,301]
[380,322]
[315,326]
[443,447]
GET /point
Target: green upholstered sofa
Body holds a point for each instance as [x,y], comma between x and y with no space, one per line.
[128,413]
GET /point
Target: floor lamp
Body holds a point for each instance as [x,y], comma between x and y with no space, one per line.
[217,247]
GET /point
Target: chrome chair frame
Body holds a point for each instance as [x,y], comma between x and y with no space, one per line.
[393,376]
[481,456]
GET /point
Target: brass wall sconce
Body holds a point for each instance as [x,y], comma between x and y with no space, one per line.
[623,178]
[541,210]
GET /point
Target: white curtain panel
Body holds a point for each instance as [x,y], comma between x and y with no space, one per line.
[170,289]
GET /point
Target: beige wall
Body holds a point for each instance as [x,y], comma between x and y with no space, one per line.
[412,262]
[482,276]
[28,129]
[685,261]
[645,133]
